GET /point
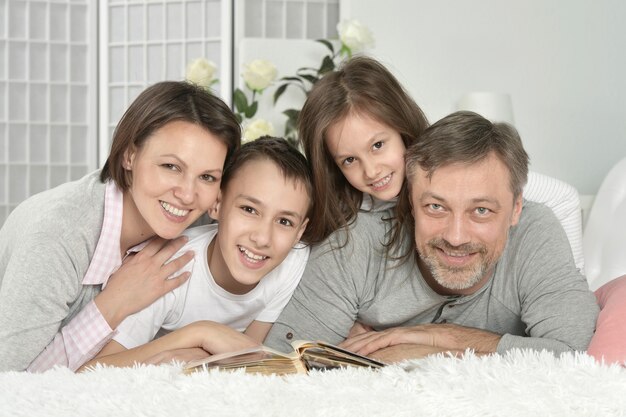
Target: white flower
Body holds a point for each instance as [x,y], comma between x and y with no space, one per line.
[354,35]
[259,74]
[256,129]
[201,72]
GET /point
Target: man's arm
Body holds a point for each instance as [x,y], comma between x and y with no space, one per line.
[556,306]
[414,341]
[399,353]
[326,302]
[321,308]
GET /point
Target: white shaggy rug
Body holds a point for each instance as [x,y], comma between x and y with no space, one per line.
[517,384]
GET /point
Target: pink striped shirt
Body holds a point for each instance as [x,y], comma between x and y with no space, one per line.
[87,333]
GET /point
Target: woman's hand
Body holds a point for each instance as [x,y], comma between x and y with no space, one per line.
[142,279]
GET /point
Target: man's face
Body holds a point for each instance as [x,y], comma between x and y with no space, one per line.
[462,218]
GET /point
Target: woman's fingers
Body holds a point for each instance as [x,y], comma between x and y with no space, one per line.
[175,265]
[160,250]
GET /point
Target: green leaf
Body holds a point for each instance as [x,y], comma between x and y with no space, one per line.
[279,91]
[292,79]
[241,102]
[328,44]
[239,118]
[291,125]
[328,65]
[304,70]
[251,111]
[310,78]
[292,114]
[345,51]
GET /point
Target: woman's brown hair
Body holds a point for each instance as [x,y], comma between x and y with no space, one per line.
[160,104]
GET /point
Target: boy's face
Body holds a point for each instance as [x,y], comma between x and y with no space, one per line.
[261,216]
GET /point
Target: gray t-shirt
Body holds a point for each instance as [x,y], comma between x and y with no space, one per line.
[535,299]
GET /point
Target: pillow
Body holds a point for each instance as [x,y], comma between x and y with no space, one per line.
[609,341]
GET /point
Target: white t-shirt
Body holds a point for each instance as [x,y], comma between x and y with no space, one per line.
[200,298]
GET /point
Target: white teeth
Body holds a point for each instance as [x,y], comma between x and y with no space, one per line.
[456,255]
[253,257]
[382,182]
[173,210]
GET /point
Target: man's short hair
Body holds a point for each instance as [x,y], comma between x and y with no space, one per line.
[467,137]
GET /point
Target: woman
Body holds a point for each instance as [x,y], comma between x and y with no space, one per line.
[66,276]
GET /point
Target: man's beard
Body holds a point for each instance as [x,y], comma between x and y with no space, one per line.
[451,277]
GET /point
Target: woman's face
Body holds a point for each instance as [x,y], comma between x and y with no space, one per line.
[175,179]
[370,155]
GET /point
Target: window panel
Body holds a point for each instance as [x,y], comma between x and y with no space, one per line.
[48,74]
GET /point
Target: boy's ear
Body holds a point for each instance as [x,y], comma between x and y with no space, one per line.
[214,212]
[302,229]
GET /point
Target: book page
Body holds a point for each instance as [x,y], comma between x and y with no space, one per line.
[258,359]
[320,355]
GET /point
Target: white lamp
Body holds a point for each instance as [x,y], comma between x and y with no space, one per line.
[496,107]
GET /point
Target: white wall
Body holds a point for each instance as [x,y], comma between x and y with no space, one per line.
[563,62]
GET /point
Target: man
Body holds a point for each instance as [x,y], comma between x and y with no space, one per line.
[492,272]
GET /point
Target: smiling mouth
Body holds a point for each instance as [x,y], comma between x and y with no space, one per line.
[455,254]
[251,256]
[173,210]
[382,182]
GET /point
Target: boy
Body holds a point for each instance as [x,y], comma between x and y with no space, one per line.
[244,272]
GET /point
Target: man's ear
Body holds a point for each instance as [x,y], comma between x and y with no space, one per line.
[517,210]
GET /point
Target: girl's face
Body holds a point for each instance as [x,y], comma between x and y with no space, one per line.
[370,155]
[175,179]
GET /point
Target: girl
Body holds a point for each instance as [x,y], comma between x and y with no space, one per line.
[66,278]
[355,127]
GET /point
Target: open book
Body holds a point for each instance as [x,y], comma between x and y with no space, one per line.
[306,356]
